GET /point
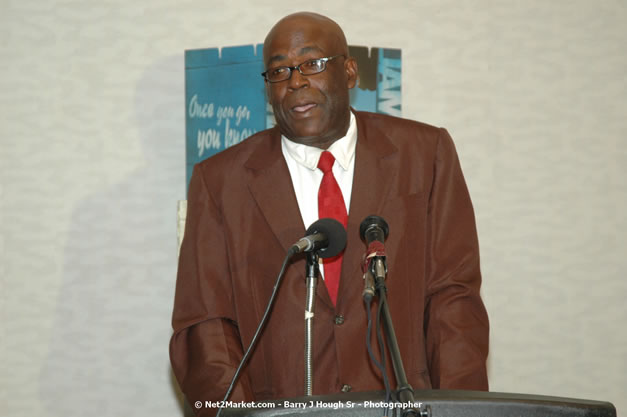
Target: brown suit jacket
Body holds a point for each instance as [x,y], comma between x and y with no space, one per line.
[242,218]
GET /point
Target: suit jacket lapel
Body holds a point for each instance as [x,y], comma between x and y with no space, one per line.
[376,166]
[270,175]
[271,187]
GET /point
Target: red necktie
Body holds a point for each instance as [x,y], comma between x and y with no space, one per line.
[331,204]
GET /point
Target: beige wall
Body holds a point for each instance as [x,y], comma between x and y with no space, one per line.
[92,164]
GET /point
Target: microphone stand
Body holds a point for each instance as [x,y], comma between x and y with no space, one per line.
[405,391]
[311,270]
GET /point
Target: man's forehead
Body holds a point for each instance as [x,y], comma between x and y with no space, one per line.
[275,56]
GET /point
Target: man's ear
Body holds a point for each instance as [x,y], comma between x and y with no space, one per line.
[352,71]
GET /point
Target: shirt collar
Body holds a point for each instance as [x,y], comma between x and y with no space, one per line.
[343,149]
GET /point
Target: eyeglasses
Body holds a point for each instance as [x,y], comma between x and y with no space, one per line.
[311,67]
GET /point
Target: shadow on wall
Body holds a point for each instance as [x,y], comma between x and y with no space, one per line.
[109,347]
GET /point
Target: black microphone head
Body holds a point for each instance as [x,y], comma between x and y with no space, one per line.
[335,233]
[370,224]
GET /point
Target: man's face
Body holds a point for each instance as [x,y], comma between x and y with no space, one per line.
[310,109]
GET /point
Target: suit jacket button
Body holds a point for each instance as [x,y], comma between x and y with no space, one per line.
[346,388]
[339,320]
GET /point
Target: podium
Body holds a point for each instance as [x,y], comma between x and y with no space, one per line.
[431,403]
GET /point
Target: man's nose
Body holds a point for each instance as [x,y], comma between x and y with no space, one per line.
[297,80]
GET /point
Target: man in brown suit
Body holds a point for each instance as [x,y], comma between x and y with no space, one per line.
[244,213]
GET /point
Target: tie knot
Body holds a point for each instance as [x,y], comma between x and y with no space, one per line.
[325,164]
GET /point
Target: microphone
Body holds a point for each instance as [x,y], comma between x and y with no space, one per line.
[374,230]
[327,236]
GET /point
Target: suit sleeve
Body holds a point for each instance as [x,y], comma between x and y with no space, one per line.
[456,322]
[205,348]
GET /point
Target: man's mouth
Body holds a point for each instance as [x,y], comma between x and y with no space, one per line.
[303,108]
